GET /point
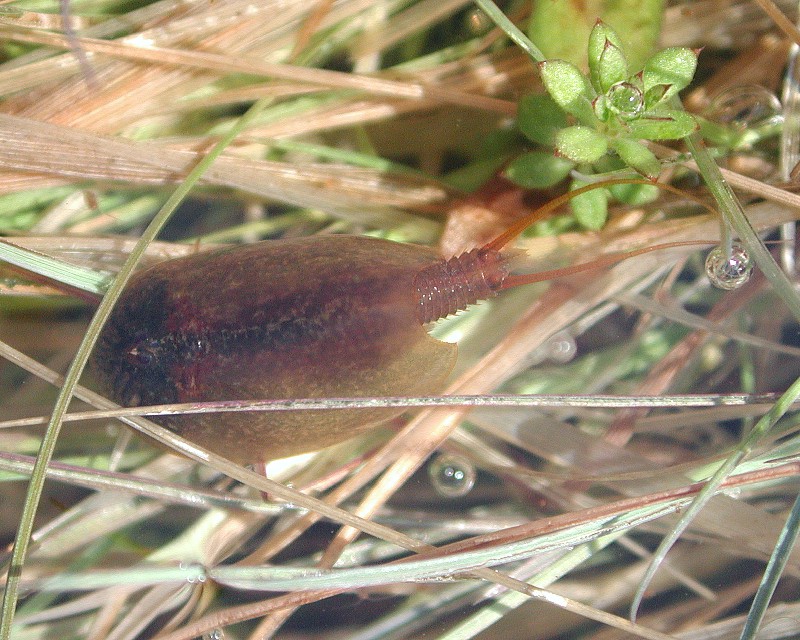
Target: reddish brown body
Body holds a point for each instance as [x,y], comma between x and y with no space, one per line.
[327,316]
[318,317]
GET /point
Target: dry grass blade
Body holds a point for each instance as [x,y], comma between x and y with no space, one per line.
[394,120]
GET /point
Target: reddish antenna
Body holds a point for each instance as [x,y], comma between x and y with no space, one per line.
[451,285]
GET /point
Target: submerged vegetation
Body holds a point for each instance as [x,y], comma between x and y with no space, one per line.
[616,452]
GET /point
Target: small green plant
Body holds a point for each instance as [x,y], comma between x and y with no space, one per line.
[596,123]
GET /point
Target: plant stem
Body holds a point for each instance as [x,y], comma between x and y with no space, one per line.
[510,29]
[734,215]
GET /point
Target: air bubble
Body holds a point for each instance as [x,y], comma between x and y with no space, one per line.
[561,348]
[729,270]
[216,634]
[452,476]
[745,107]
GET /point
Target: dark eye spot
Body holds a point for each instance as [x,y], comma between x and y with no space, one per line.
[144,353]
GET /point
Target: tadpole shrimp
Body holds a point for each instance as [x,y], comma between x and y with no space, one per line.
[314,317]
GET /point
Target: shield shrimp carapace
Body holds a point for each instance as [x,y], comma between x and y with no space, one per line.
[315,317]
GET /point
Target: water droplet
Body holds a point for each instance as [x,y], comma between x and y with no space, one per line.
[478,22]
[561,347]
[745,107]
[195,572]
[216,634]
[729,271]
[452,476]
[626,100]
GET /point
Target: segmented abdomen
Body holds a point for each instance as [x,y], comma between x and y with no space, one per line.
[451,285]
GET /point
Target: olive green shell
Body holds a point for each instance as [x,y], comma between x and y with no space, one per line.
[319,317]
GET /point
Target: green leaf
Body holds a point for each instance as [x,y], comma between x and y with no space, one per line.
[498,142]
[550,21]
[553,226]
[600,39]
[569,88]
[717,134]
[590,208]
[634,194]
[539,118]
[581,144]
[674,67]
[561,29]
[470,177]
[655,94]
[637,157]
[613,67]
[538,170]
[667,125]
